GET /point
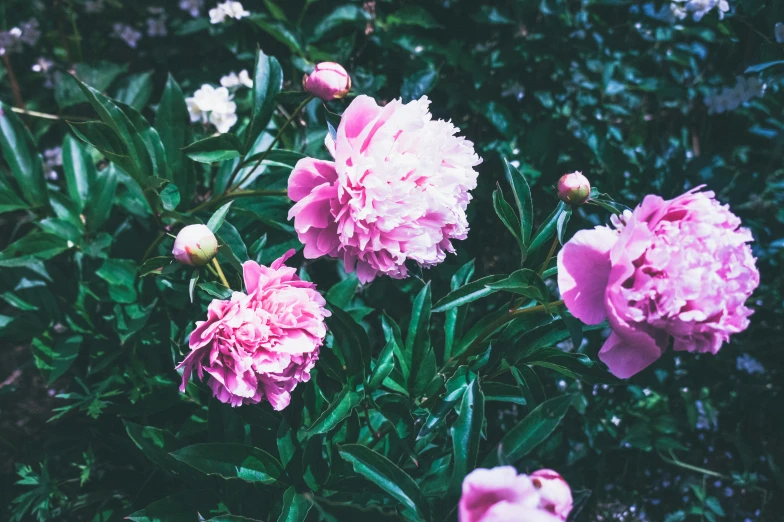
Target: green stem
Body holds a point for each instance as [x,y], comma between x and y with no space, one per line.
[46,116]
[230,186]
[236,194]
[153,245]
[220,272]
[549,255]
[675,462]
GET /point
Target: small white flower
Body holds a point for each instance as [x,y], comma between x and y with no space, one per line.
[615,420]
[223,121]
[93,6]
[779,32]
[234,80]
[212,105]
[228,9]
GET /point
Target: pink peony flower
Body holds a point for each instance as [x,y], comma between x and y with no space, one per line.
[555,495]
[501,495]
[260,344]
[680,268]
[397,190]
[328,81]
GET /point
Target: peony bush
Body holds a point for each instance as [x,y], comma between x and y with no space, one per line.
[485,262]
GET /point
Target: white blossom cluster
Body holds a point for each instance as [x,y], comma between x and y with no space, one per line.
[26,33]
[156,23]
[127,34]
[730,98]
[215,106]
[228,9]
[680,9]
[233,80]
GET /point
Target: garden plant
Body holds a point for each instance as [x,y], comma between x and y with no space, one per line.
[391,260]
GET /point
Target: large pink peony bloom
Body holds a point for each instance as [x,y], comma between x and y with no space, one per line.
[501,495]
[680,268]
[260,344]
[397,190]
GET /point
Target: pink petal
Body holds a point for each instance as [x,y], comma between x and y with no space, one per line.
[308,174]
[630,354]
[583,272]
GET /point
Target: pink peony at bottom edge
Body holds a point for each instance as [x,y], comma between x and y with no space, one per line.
[501,495]
[259,345]
[678,269]
[555,495]
[397,190]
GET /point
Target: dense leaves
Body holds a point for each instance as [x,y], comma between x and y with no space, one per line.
[106,155]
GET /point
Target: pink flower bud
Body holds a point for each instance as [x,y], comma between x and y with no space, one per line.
[328,81]
[574,188]
[555,495]
[195,245]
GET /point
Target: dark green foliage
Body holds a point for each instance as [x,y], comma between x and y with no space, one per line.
[473,363]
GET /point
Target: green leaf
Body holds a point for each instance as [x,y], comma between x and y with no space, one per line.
[100,75]
[762,66]
[418,84]
[525,206]
[217,219]
[9,201]
[352,344]
[267,83]
[100,198]
[563,220]
[530,432]
[386,475]
[140,164]
[456,386]
[523,282]
[180,507]
[342,15]
[53,359]
[392,335]
[574,365]
[280,32]
[547,229]
[384,366]
[423,360]
[80,173]
[20,153]
[277,158]
[156,444]
[232,461]
[469,293]
[32,247]
[453,323]
[507,216]
[412,15]
[481,329]
[499,392]
[106,141]
[341,294]
[216,290]
[172,124]
[467,433]
[170,197]
[215,148]
[529,384]
[135,90]
[339,409]
[295,506]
